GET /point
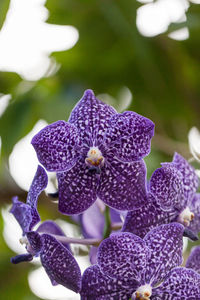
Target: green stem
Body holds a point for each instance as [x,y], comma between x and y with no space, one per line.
[107,228]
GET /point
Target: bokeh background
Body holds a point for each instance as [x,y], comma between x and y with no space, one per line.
[140,55]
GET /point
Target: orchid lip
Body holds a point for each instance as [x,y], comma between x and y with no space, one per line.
[144,292]
[94,158]
[185,217]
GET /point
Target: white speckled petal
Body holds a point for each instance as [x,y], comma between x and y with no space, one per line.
[194,206]
[180,284]
[123,185]
[123,256]
[166,184]
[39,183]
[165,243]
[60,264]
[145,218]
[91,116]
[193,261]
[98,286]
[129,136]
[57,146]
[190,178]
[77,189]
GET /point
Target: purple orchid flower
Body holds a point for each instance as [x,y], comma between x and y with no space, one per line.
[92,223]
[172,197]
[133,268]
[56,257]
[98,152]
[193,261]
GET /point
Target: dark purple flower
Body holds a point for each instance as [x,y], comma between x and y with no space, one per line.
[56,257]
[98,152]
[133,268]
[193,261]
[171,197]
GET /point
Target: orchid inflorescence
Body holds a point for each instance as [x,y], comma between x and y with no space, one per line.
[98,159]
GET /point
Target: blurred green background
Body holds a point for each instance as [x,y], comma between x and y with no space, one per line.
[162,74]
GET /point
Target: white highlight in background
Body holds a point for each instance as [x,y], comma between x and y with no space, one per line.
[12,231]
[154,18]
[122,101]
[194,143]
[23,161]
[180,34]
[4,101]
[27,41]
[41,286]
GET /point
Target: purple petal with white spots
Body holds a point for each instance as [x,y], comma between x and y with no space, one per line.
[39,183]
[53,229]
[180,283]
[59,263]
[98,286]
[129,136]
[35,242]
[22,213]
[123,256]
[57,146]
[145,218]
[26,213]
[194,206]
[193,261]
[77,189]
[190,179]
[92,222]
[91,117]
[123,185]
[165,243]
[166,186]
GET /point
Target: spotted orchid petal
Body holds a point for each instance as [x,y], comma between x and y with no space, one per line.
[91,116]
[166,184]
[190,178]
[38,185]
[22,213]
[34,243]
[98,286]
[145,218]
[123,185]
[60,264]
[52,228]
[123,256]
[57,146]
[77,189]
[194,206]
[165,243]
[26,213]
[193,261]
[129,136]
[180,283]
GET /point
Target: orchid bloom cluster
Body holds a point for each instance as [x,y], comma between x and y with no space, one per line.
[135,227]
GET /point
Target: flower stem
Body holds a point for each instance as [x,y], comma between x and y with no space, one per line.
[70,240]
